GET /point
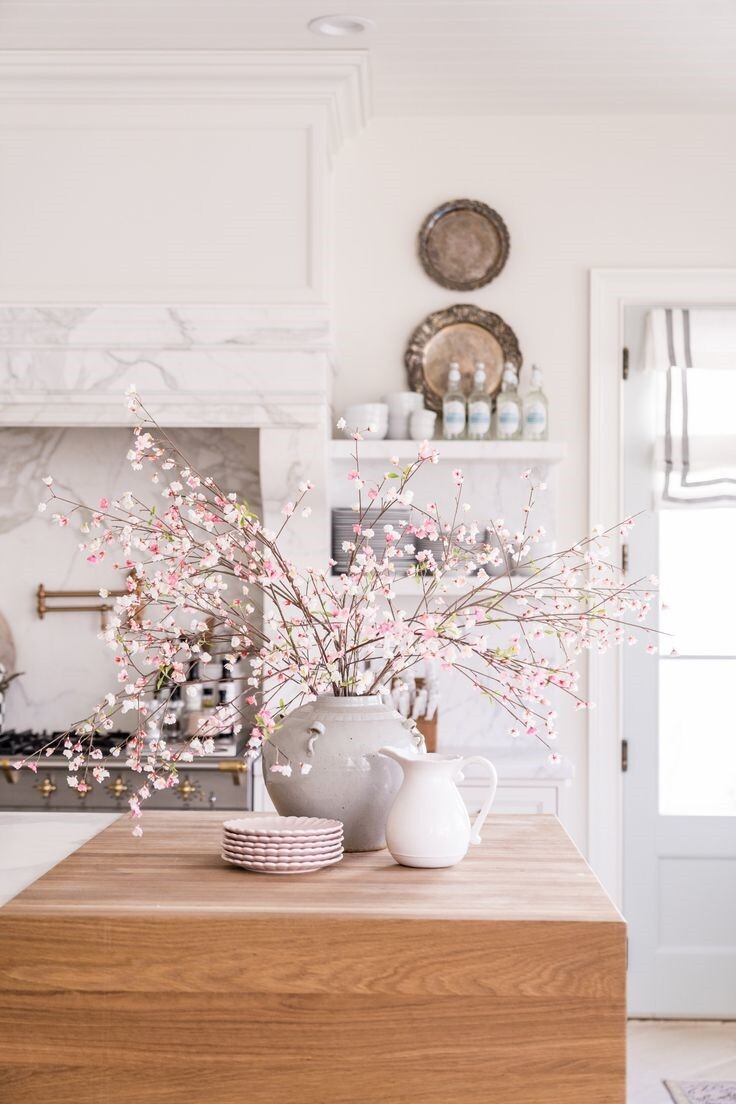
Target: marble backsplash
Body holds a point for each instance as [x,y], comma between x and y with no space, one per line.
[66,668]
[266,370]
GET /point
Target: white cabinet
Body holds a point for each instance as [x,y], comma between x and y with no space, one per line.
[527,782]
[517,797]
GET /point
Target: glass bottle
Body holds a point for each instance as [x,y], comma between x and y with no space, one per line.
[453,405]
[536,409]
[508,407]
[479,406]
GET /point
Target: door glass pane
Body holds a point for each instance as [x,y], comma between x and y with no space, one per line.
[698,598]
[697,737]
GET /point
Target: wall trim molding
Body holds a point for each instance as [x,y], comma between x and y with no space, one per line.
[334,82]
[611,291]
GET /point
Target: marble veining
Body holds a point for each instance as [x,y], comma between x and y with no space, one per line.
[194,365]
[248,388]
[65,666]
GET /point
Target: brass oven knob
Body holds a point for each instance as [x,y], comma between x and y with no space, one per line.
[187,789]
[46,788]
[11,775]
[236,767]
[117,788]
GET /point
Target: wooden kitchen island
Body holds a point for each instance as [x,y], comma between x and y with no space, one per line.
[143,970]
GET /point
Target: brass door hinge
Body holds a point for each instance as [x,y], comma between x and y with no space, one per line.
[624,756]
[625,363]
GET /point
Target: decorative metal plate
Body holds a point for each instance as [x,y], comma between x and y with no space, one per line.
[463,333]
[463,244]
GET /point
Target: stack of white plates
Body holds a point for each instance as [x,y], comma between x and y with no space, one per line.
[343,520]
[282,845]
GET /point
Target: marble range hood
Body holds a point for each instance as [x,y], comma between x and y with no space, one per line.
[262,368]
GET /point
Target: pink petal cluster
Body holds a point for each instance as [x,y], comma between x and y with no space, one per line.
[201,567]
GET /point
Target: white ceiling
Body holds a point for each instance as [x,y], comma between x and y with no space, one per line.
[452,57]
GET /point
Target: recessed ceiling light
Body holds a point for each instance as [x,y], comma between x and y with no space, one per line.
[339,26]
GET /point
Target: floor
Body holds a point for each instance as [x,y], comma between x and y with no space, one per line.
[685,1050]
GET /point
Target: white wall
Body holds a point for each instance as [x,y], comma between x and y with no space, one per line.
[162,203]
[575,193]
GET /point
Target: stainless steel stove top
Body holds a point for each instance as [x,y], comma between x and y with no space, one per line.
[213,782]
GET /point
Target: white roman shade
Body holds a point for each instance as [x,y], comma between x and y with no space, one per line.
[694,354]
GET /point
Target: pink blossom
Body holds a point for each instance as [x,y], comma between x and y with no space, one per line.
[199,572]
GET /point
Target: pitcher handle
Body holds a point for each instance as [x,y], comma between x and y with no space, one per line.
[492,787]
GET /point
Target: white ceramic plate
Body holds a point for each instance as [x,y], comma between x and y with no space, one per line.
[275,855]
[284,864]
[287,852]
[328,833]
[282,868]
[312,839]
[280,826]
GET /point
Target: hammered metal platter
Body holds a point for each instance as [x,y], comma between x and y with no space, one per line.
[464,333]
[463,244]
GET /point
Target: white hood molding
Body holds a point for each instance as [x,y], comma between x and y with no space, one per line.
[74,333]
[204,366]
[333,85]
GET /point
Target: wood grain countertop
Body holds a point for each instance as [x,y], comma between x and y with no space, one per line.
[148,970]
[526,868]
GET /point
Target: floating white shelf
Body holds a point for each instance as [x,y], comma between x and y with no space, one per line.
[550,452]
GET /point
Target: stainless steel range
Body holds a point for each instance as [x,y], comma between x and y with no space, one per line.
[213,782]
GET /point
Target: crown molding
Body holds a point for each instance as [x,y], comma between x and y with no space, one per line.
[335,83]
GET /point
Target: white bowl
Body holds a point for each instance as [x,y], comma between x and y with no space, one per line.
[422,424]
[373,410]
[398,431]
[377,433]
[368,414]
[403,402]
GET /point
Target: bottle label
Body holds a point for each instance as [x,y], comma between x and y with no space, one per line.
[508,419]
[453,416]
[479,418]
[535,417]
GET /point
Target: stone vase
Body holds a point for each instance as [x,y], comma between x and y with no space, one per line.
[339,738]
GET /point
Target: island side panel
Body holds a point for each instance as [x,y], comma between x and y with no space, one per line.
[297,1010]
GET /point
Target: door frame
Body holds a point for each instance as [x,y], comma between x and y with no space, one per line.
[611,291]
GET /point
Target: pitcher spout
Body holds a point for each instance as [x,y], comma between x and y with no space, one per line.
[399,755]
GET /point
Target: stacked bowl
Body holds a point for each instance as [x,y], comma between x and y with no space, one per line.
[422,425]
[370,419]
[282,845]
[401,405]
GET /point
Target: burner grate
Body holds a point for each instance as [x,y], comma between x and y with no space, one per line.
[28,742]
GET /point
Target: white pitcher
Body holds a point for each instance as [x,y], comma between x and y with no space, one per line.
[428,824]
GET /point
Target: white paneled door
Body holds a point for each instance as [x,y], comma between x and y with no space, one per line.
[680,734]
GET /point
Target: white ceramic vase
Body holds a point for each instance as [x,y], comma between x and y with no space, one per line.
[339,738]
[428,824]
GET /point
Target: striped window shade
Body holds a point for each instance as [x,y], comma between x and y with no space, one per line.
[694,355]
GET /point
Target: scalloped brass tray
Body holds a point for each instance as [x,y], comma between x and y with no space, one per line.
[464,333]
